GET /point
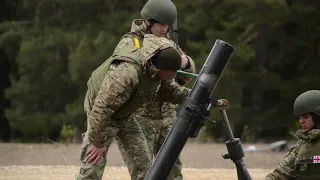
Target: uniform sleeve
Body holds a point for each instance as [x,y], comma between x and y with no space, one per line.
[115,90]
[190,69]
[171,91]
[286,169]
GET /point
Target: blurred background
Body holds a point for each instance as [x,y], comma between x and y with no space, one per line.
[49,48]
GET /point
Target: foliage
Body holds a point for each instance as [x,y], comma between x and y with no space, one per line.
[55,45]
[66,133]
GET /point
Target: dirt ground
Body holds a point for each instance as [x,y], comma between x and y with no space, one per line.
[57,161]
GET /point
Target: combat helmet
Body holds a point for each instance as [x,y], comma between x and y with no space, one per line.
[307,102]
[162,11]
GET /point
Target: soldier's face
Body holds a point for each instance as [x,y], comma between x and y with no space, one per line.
[159,30]
[166,75]
[306,122]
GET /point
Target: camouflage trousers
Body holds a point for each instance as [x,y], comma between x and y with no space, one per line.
[130,137]
[155,131]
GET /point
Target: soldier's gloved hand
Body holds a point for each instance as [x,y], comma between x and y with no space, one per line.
[94,154]
[184,60]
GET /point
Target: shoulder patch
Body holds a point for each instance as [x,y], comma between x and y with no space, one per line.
[136,42]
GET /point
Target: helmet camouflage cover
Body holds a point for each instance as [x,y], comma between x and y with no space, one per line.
[307,102]
[162,11]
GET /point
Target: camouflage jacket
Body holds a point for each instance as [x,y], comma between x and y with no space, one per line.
[114,89]
[291,167]
[158,108]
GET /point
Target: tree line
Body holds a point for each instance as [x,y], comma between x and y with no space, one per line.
[48,49]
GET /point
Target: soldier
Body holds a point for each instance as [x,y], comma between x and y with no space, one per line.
[303,160]
[125,81]
[157,117]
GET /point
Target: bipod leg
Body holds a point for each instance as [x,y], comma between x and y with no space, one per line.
[235,152]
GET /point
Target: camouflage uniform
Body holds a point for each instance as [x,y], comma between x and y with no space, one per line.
[115,90]
[157,117]
[303,160]
[293,164]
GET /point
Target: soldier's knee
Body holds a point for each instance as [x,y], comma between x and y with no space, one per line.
[88,172]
